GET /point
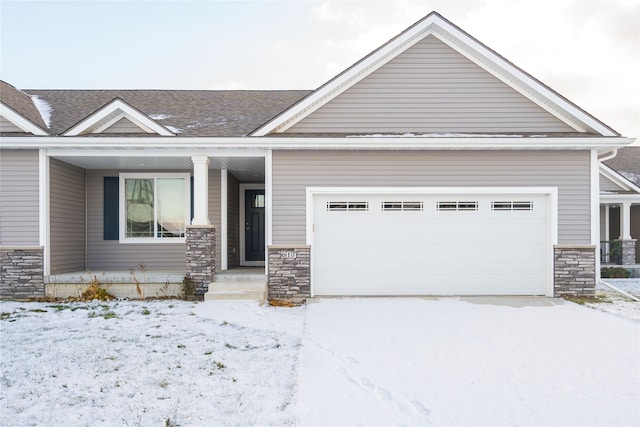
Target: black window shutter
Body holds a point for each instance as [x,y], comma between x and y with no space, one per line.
[191,200]
[111,220]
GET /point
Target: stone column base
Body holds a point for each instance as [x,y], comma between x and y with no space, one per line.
[574,270]
[289,273]
[21,272]
[201,255]
[628,254]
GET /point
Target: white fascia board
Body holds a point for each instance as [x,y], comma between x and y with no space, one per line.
[618,179]
[20,121]
[595,202]
[129,145]
[122,109]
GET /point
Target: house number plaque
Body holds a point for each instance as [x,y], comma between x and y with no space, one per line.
[288,254]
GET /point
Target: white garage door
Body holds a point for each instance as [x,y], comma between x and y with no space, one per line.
[444,244]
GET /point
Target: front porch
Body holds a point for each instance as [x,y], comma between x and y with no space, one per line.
[99,221]
[619,229]
[234,283]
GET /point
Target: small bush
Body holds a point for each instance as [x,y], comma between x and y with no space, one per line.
[95,291]
[281,303]
[188,287]
[614,273]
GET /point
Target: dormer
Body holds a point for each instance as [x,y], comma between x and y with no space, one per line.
[118,117]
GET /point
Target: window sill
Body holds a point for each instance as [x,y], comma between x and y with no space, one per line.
[150,240]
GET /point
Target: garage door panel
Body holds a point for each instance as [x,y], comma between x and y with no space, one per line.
[430,251]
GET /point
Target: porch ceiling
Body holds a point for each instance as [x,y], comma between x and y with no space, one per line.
[245,169]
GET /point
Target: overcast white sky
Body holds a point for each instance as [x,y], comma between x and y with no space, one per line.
[588,51]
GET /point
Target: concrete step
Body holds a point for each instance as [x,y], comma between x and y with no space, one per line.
[253,290]
[239,278]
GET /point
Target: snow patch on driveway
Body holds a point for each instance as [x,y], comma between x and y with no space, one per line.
[450,362]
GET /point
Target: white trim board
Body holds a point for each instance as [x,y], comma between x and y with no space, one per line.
[177,146]
[550,192]
[223,219]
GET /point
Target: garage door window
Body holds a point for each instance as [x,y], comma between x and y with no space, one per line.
[403,206]
[457,206]
[347,206]
[511,206]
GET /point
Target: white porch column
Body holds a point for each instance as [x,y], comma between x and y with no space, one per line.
[200,190]
[625,221]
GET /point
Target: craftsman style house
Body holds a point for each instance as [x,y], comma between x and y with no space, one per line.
[433,166]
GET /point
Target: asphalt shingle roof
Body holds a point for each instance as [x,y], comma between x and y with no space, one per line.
[194,113]
[21,103]
[627,163]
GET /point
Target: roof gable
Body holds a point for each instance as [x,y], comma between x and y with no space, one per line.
[436,26]
[109,119]
[430,88]
[19,112]
[612,181]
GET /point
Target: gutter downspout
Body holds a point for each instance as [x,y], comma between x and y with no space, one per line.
[609,155]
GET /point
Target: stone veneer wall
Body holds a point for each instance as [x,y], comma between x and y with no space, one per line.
[201,255]
[574,270]
[628,252]
[289,273]
[21,272]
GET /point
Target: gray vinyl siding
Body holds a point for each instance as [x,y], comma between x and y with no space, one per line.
[606,185]
[106,255]
[67,217]
[429,88]
[19,198]
[7,126]
[233,221]
[293,171]
[123,125]
[215,210]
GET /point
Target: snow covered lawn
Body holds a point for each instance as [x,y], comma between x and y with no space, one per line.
[150,363]
[367,361]
[614,302]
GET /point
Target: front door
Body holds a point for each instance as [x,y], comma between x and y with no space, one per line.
[254,225]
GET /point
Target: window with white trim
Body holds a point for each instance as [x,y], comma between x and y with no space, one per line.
[154,207]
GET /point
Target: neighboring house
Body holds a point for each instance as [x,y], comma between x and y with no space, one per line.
[620,207]
[433,166]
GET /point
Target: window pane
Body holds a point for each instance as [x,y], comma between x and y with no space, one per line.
[258,200]
[139,194]
[171,207]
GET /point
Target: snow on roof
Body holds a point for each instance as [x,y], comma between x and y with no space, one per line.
[44,108]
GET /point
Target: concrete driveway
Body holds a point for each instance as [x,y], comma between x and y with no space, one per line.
[467,361]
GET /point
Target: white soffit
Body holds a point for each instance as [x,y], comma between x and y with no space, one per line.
[437,26]
[20,121]
[618,179]
[113,112]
